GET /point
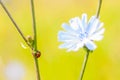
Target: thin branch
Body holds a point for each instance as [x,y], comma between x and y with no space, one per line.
[13,21]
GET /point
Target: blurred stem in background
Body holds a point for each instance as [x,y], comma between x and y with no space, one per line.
[33,46]
[88,51]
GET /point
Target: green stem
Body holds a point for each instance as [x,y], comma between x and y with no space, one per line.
[35,40]
[99,7]
[84,64]
[13,21]
[37,67]
[34,24]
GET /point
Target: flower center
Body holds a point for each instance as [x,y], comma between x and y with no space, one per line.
[83,36]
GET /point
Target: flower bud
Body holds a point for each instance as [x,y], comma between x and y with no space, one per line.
[29,39]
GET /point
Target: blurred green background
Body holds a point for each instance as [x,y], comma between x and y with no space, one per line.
[56,64]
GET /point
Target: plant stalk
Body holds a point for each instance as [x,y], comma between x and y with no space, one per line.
[34,24]
[84,64]
[37,68]
[99,8]
[35,40]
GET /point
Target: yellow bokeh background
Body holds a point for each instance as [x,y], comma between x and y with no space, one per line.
[57,64]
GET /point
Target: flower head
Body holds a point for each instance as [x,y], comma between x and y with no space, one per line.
[81,33]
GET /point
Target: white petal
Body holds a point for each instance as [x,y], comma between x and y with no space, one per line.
[81,26]
[65,45]
[76,24]
[93,27]
[90,45]
[66,27]
[73,48]
[80,44]
[84,20]
[90,23]
[100,32]
[68,44]
[99,26]
[76,47]
[96,37]
[66,36]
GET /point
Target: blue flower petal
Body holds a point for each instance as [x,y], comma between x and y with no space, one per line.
[90,24]
[73,48]
[76,46]
[90,45]
[76,24]
[66,27]
[63,36]
[73,23]
[96,37]
[99,32]
[84,20]
[93,27]
[67,45]
[99,26]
